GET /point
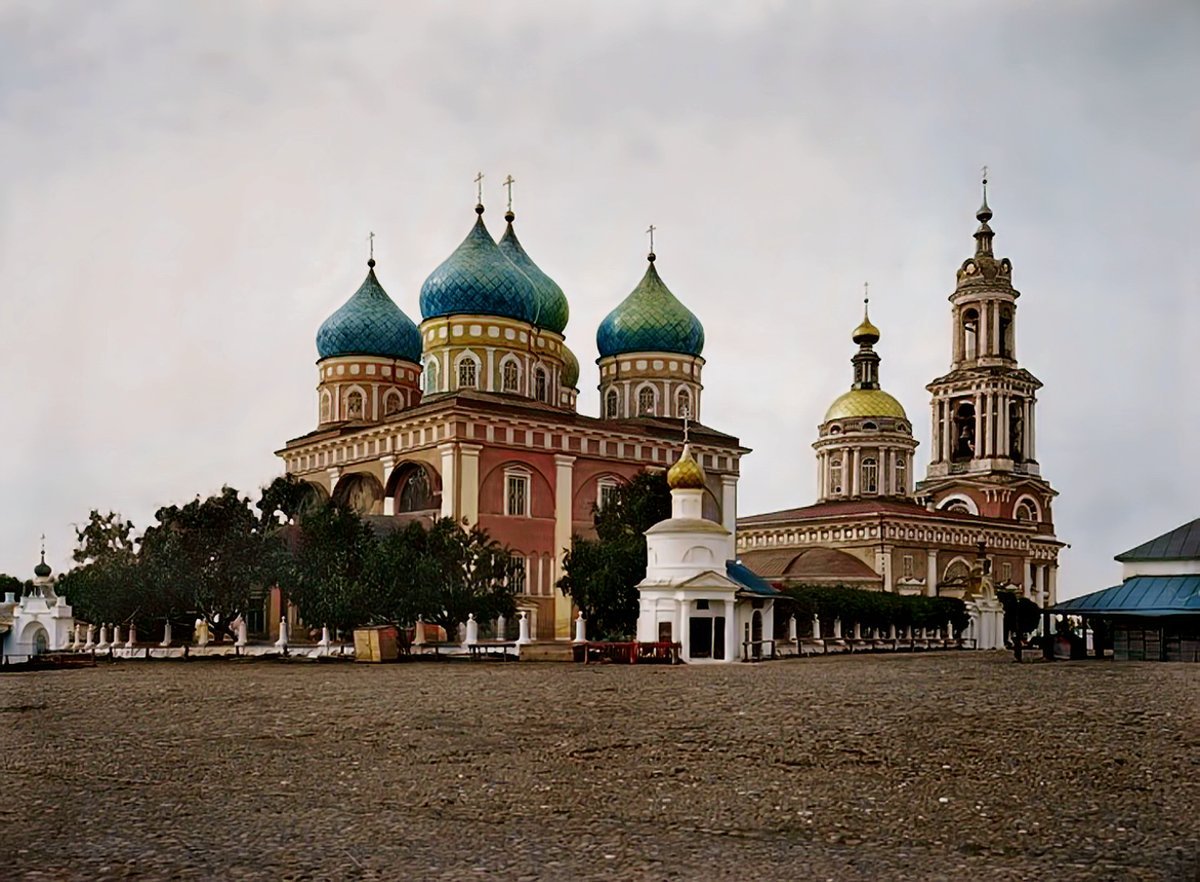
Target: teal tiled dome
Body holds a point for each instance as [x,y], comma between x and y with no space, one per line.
[369,323]
[570,371]
[551,308]
[650,319]
[477,279]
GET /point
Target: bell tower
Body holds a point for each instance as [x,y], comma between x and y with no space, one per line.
[984,455]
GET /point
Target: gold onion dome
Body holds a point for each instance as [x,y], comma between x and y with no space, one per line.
[686,474]
[865,403]
[866,332]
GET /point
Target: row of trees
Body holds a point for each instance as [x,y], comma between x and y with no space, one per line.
[216,558]
[875,609]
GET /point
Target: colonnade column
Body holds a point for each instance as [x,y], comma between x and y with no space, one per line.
[1031,428]
[853,476]
[388,465]
[731,647]
[564,469]
[1051,584]
[468,467]
[956,334]
[449,452]
[931,572]
[983,332]
[947,431]
[997,343]
[1039,581]
[978,425]
[1027,582]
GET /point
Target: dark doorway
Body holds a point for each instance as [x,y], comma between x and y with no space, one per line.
[718,627]
[700,631]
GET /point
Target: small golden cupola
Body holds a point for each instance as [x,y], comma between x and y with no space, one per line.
[865,444]
[687,473]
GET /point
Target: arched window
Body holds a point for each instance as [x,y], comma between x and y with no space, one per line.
[835,477]
[869,427]
[516,492]
[326,407]
[970,326]
[431,376]
[468,373]
[392,403]
[354,406]
[1026,511]
[646,401]
[511,376]
[901,476]
[611,404]
[1006,336]
[683,404]
[539,384]
[870,476]
[957,505]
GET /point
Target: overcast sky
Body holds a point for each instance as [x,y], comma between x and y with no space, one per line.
[188,190]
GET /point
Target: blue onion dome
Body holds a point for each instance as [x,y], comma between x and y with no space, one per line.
[570,371]
[477,279]
[650,319]
[552,310]
[369,323]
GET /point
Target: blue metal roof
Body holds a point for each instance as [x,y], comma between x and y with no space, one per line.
[1140,596]
[748,579]
[1182,543]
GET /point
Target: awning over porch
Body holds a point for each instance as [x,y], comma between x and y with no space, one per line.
[1139,596]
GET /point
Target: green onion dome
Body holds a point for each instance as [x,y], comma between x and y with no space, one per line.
[551,308]
[570,371]
[477,279]
[369,323]
[650,319]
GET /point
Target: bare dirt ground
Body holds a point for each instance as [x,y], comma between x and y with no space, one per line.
[938,766]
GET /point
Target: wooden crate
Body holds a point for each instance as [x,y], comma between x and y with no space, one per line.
[376,644]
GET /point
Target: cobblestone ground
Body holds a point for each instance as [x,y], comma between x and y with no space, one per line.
[938,766]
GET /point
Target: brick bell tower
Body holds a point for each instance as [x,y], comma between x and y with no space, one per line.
[984,455]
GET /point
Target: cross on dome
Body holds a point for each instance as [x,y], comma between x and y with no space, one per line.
[508,182]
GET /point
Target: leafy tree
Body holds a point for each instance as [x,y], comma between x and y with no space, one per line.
[875,609]
[601,574]
[332,575]
[458,572]
[10,584]
[103,537]
[210,557]
[107,584]
[1020,613]
[288,498]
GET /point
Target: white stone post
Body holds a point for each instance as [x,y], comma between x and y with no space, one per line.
[837,629]
[241,633]
[166,641]
[816,632]
[892,632]
[580,629]
[282,643]
[202,636]
[858,631]
[523,627]
[91,638]
[132,636]
[419,633]
[103,644]
[323,646]
[793,632]
[501,628]
[116,638]
[77,642]
[472,630]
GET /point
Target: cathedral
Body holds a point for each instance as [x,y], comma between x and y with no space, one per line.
[472,413]
[981,518]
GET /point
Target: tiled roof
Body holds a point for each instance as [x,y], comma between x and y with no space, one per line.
[850,507]
[551,310]
[650,319]
[1140,596]
[369,323]
[811,564]
[1182,543]
[477,279]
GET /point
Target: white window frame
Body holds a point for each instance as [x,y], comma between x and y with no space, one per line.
[432,376]
[872,486]
[604,487]
[612,404]
[513,478]
[653,411]
[461,362]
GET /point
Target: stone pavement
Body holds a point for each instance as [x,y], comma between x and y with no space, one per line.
[934,766]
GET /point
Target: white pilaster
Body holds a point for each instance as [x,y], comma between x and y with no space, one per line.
[468,479]
[387,465]
[564,471]
[729,505]
[449,452]
[731,648]
[931,572]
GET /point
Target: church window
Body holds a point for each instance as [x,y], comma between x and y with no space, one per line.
[869,427]
[958,573]
[519,574]
[326,407]
[392,403]
[964,432]
[870,476]
[1006,572]
[1006,341]
[683,404]
[354,406]
[467,373]
[957,505]
[835,476]
[539,384]
[907,568]
[1026,511]
[516,494]
[701,604]
[431,376]
[611,404]
[606,493]
[511,376]
[646,401]
[901,476]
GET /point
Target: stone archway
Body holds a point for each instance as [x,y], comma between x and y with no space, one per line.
[415,487]
[360,492]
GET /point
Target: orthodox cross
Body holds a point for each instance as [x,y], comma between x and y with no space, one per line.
[651,232]
[985,173]
[43,545]
[479,188]
[371,240]
[866,294]
[687,422]
[508,182]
